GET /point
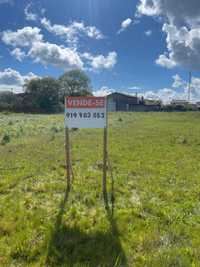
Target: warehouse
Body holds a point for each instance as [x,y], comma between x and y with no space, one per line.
[123,102]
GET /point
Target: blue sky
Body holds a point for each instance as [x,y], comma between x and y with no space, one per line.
[127,46]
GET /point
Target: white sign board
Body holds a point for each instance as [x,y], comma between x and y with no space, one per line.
[85,112]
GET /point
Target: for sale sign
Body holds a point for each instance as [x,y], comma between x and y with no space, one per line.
[85,112]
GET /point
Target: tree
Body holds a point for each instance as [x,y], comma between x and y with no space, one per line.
[10,101]
[6,100]
[42,94]
[74,83]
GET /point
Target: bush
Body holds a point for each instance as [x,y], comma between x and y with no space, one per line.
[6,139]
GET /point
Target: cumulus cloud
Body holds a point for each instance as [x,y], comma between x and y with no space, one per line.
[73,31]
[100,61]
[58,56]
[125,24]
[179,12]
[166,62]
[18,54]
[149,7]
[30,16]
[40,51]
[178,82]
[166,95]
[12,79]
[178,91]
[182,29]
[29,42]
[183,47]
[103,91]
[22,37]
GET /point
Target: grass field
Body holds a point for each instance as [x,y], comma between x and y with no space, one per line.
[155,159]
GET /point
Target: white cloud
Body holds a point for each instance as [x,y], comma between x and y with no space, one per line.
[12,79]
[30,16]
[179,12]
[148,33]
[58,56]
[73,31]
[103,91]
[178,91]
[100,61]
[152,95]
[166,62]
[149,7]
[182,28]
[166,95]
[183,47]
[125,24]
[22,37]
[43,52]
[178,82]
[34,47]
[18,54]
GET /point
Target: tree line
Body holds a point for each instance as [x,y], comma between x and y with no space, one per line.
[46,95]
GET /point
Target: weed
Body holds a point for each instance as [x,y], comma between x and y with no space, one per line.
[5,139]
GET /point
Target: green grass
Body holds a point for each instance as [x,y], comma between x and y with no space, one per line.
[156,166]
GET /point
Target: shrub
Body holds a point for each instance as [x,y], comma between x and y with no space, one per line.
[5,139]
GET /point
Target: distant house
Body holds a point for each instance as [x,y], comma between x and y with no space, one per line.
[179,102]
[123,102]
[183,105]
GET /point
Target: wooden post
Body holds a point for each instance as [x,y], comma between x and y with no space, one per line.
[105,196]
[105,159]
[67,152]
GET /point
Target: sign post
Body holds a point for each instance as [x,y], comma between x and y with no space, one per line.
[86,112]
[67,151]
[105,158]
[67,156]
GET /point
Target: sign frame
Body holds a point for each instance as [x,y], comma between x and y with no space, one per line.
[105,149]
[85,112]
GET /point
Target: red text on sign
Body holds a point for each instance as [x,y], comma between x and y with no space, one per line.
[85,102]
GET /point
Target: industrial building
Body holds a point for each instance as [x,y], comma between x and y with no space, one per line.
[123,102]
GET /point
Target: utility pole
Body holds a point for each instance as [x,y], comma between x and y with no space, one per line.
[189,86]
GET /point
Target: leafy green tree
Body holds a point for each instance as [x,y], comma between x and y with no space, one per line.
[74,83]
[42,94]
[10,101]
